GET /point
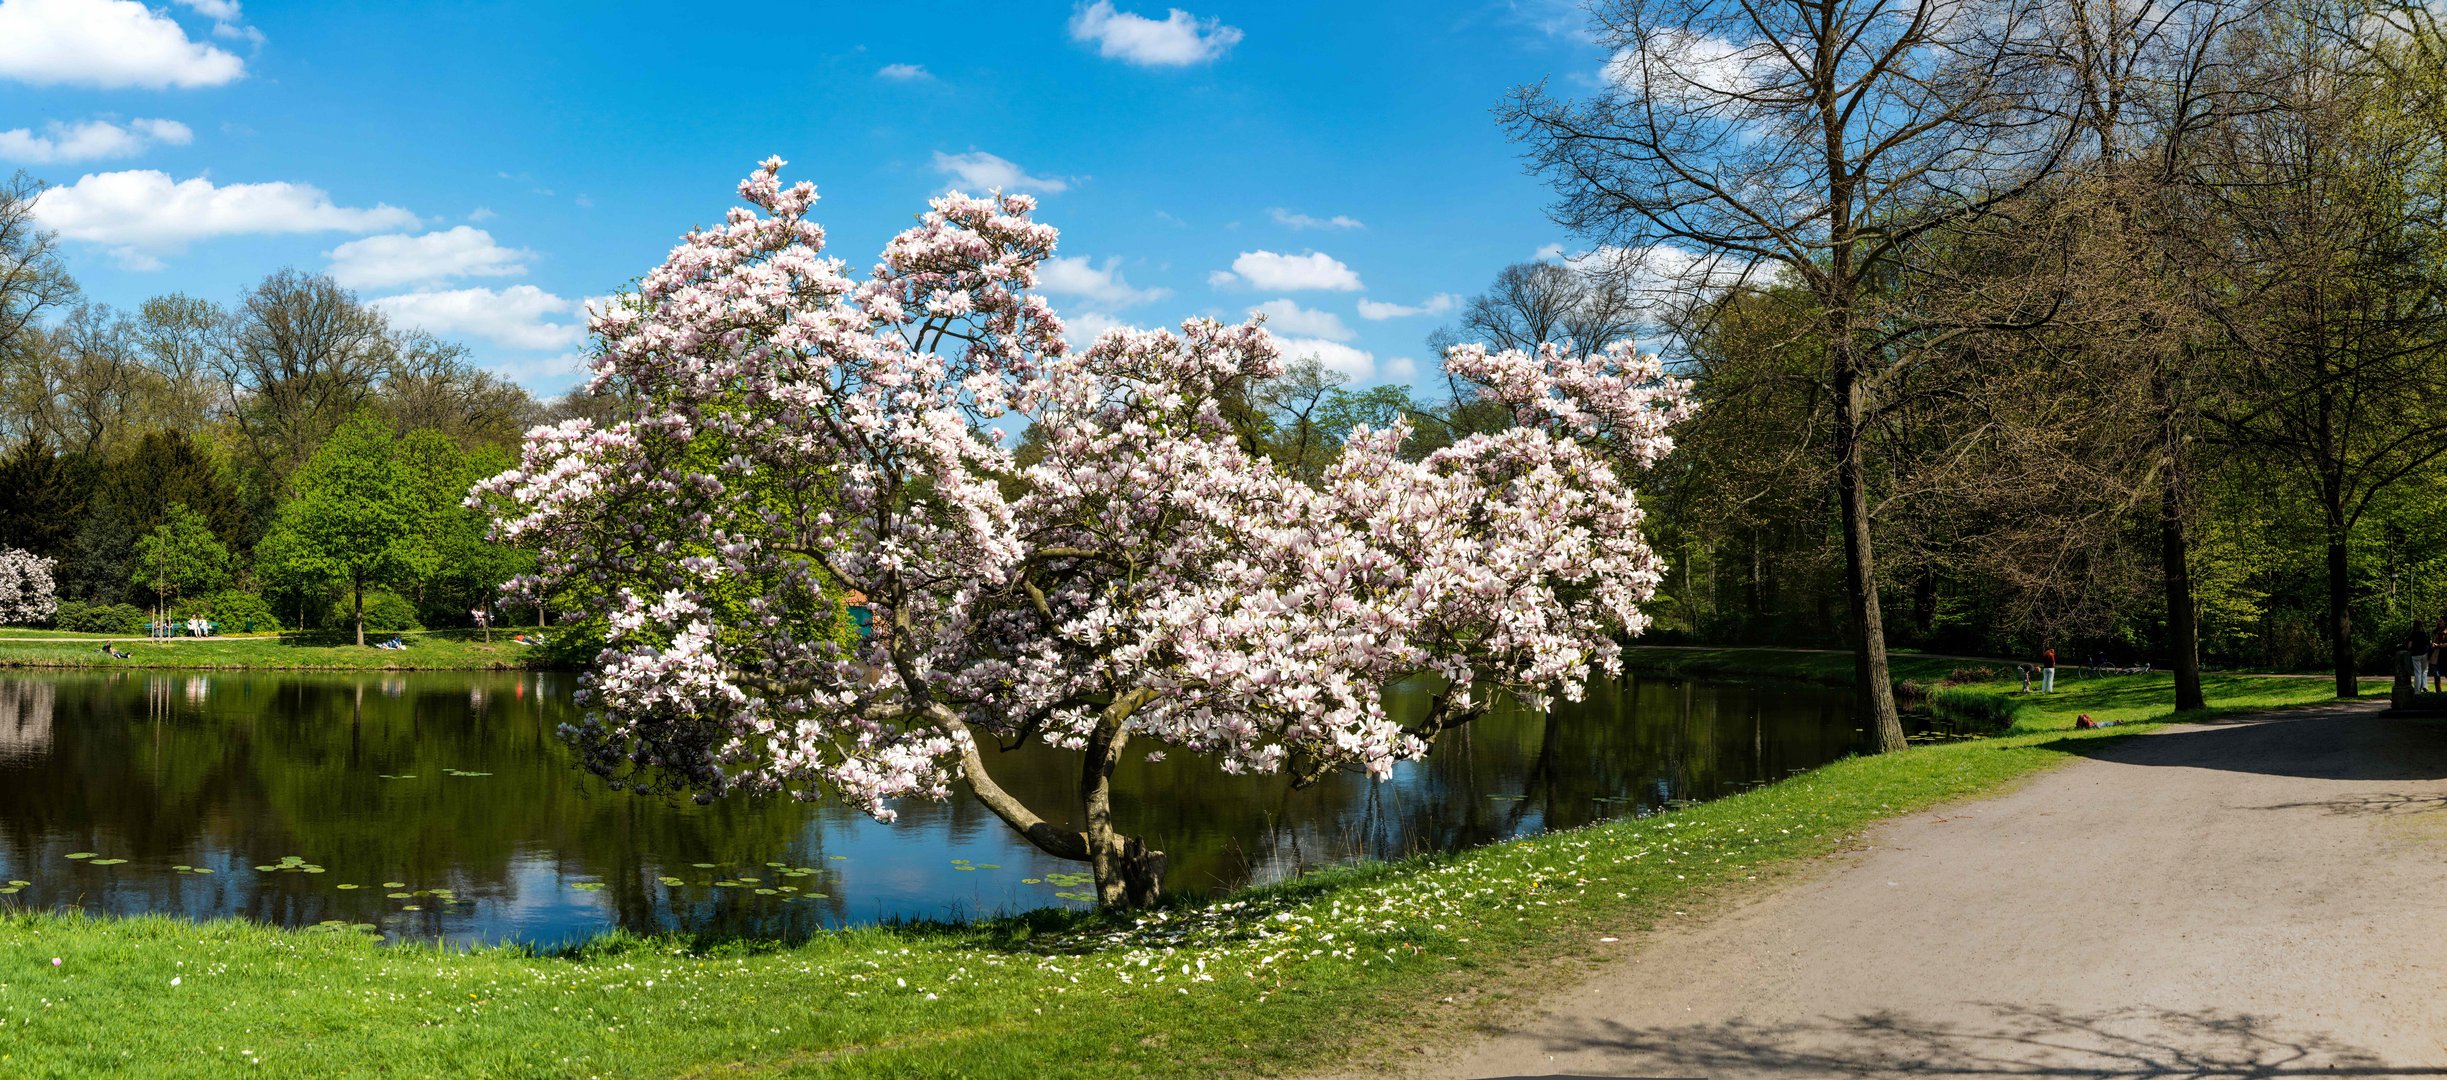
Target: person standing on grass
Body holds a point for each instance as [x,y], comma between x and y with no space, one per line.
[2438,645]
[2047,672]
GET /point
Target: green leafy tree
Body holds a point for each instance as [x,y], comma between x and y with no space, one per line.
[355,520]
[179,557]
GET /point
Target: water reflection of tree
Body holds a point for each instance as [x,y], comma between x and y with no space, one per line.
[251,770]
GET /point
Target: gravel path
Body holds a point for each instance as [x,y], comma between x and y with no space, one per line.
[2261,897]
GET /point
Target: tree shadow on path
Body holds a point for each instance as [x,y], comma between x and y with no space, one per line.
[2332,743]
[2013,1040]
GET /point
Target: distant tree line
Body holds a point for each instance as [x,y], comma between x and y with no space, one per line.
[291,459]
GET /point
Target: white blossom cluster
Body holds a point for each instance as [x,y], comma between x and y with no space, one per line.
[26,591]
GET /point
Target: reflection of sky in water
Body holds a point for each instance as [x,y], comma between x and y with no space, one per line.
[231,771]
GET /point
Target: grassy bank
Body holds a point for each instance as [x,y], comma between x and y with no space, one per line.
[2000,700]
[436,651]
[1348,964]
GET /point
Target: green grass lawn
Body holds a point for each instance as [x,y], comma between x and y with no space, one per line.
[435,651]
[1345,964]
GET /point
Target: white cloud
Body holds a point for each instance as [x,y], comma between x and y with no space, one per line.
[1180,39]
[1082,329]
[1303,221]
[89,140]
[482,213]
[1288,273]
[518,317]
[1549,252]
[1358,364]
[1691,68]
[1101,285]
[903,72]
[1440,304]
[142,213]
[106,43]
[216,10]
[1290,318]
[979,171]
[1400,369]
[379,262]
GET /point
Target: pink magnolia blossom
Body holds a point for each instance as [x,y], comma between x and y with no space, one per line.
[790,432]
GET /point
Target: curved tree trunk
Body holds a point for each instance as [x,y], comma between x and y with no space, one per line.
[1128,874]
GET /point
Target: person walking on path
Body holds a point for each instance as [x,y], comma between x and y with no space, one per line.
[2047,672]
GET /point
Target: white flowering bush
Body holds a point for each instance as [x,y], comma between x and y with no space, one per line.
[790,433]
[26,591]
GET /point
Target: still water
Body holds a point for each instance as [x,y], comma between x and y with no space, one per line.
[443,806]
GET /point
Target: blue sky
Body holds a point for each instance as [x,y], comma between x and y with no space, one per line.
[483,169]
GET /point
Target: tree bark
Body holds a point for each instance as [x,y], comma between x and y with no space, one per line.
[1128,875]
[2340,620]
[2183,625]
[356,591]
[1877,693]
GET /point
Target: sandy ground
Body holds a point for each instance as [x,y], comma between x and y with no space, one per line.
[2265,897]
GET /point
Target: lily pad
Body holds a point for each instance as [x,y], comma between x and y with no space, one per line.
[836,858]
[764,892]
[703,865]
[587,886]
[400,896]
[671,881]
[395,884]
[351,886]
[80,854]
[106,862]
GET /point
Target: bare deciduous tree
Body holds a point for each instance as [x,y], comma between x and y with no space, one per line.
[1826,138]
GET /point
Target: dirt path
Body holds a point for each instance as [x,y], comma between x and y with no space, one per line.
[2262,897]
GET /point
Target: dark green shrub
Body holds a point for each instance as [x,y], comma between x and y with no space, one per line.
[386,612]
[79,617]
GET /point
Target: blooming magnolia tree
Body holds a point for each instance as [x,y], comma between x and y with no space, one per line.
[789,433]
[26,591]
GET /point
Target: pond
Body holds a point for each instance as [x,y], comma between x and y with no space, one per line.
[443,806]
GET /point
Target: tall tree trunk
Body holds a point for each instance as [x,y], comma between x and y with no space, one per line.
[1877,694]
[356,590]
[2183,625]
[2340,619]
[2175,551]
[1127,874]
